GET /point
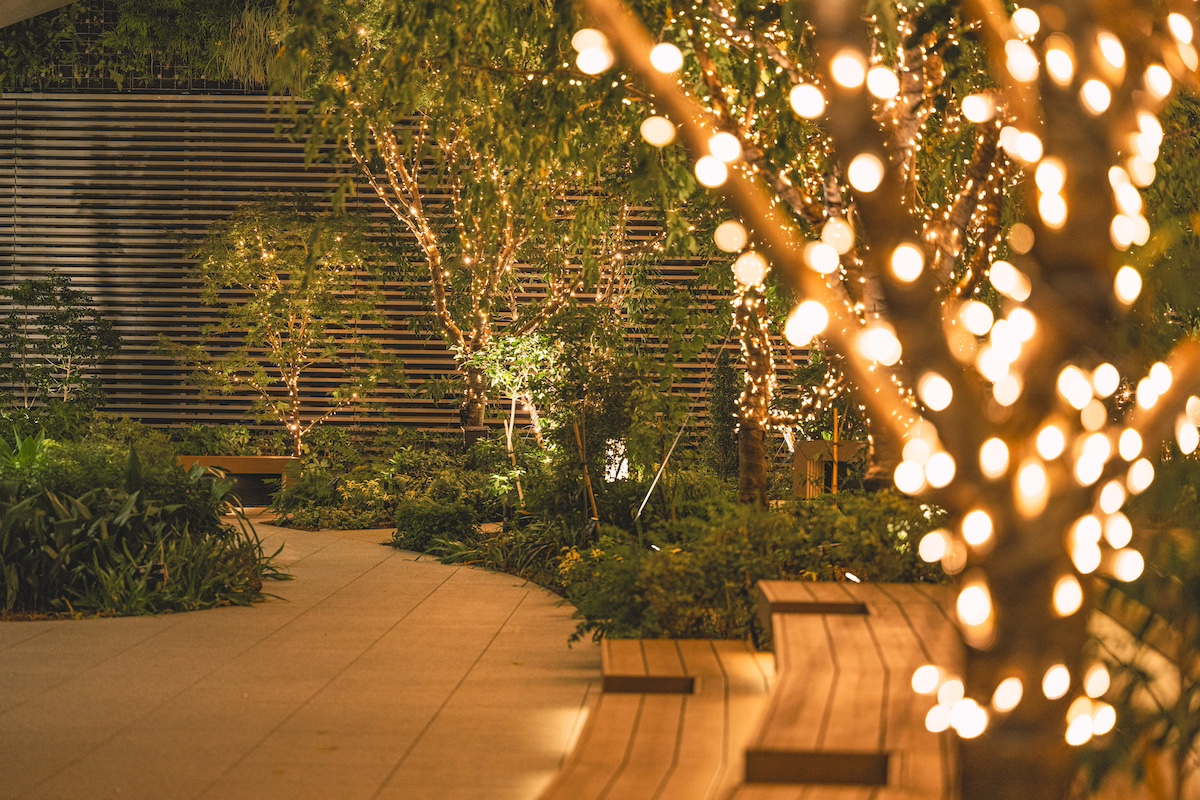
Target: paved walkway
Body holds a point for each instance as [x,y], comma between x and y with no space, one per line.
[376,675]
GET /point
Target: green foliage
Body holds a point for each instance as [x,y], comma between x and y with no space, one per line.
[422,519]
[699,576]
[141,42]
[527,549]
[292,287]
[51,343]
[721,435]
[84,534]
[1155,660]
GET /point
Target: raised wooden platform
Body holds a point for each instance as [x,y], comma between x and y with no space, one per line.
[843,721]
[672,723]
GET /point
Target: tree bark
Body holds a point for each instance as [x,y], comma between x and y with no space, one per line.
[752,465]
[474,408]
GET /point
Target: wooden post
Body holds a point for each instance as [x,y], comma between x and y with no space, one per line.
[833,487]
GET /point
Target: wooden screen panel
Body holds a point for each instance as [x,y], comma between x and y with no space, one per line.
[110,188]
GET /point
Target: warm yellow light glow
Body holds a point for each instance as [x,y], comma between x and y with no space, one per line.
[1111,49]
[1097,96]
[588,38]
[1051,442]
[821,257]
[978,108]
[1060,64]
[838,234]
[731,236]
[1118,530]
[909,477]
[977,527]
[1094,416]
[1008,390]
[993,458]
[1027,22]
[1053,210]
[908,261]
[1105,380]
[849,68]
[935,391]
[1096,681]
[1104,719]
[977,317]
[666,58]
[750,269]
[933,546]
[1008,695]
[1158,81]
[926,679]
[711,171]
[1112,497]
[879,343]
[658,131]
[1051,175]
[1068,595]
[1074,387]
[1128,285]
[1181,28]
[950,692]
[725,146]
[1186,435]
[806,321]
[1130,444]
[1021,61]
[882,83]
[939,471]
[594,60]
[1128,565]
[968,719]
[1032,487]
[1160,377]
[865,172]
[1056,682]
[1079,731]
[807,100]
[938,719]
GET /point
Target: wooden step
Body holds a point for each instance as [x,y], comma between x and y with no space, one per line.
[842,712]
[682,745]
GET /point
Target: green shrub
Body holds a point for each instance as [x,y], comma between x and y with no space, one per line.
[421,520]
[137,541]
[697,577]
[527,549]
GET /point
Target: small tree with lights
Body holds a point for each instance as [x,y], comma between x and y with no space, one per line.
[510,209]
[292,287]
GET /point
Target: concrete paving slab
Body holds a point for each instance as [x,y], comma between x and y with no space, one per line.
[375,674]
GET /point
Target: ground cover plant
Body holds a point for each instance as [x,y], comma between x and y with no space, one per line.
[109,524]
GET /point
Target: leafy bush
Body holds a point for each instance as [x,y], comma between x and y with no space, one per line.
[141,538]
[422,519]
[529,550]
[698,576]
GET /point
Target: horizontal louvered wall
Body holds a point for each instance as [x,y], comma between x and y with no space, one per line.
[109,188]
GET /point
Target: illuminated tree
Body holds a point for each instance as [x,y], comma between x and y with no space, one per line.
[1010,423]
[292,287]
[495,155]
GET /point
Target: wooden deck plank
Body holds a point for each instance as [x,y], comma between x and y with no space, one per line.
[766,791]
[651,748]
[917,755]
[801,597]
[601,751]
[806,674]
[700,760]
[622,657]
[662,658]
[855,722]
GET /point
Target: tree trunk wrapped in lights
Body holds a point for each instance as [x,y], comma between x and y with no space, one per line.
[1014,432]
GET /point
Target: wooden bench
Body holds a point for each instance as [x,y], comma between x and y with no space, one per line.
[842,720]
[671,724]
[258,466]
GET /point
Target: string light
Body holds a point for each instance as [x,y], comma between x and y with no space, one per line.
[658,131]
[666,58]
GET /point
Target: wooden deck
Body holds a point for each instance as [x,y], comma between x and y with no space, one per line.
[672,723]
[842,721]
[693,719]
